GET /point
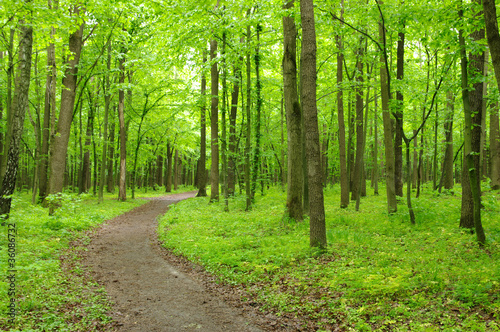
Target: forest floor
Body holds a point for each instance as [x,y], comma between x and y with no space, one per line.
[153,290]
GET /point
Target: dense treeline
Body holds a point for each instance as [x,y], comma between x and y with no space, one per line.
[97,96]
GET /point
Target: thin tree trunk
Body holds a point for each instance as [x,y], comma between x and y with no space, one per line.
[111,158]
[494,147]
[168,181]
[231,170]
[248,188]
[398,143]
[389,147]
[214,122]
[50,108]
[107,101]
[202,174]
[122,185]
[448,155]
[317,230]
[258,109]
[358,166]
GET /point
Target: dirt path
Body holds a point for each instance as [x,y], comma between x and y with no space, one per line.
[148,292]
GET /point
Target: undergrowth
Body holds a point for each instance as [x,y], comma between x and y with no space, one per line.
[379,272]
[48,298]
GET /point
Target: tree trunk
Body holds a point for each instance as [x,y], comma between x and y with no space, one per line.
[231,170]
[122,185]
[107,101]
[214,118]
[50,108]
[111,158]
[448,154]
[471,194]
[258,109]
[202,174]
[168,180]
[19,106]
[490,18]
[398,143]
[85,169]
[358,166]
[60,139]
[248,188]
[317,233]
[388,134]
[494,147]
[176,169]
[293,117]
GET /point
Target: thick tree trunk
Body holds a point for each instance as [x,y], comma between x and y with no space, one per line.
[19,106]
[214,122]
[490,18]
[293,117]
[202,174]
[388,134]
[471,192]
[60,139]
[317,233]
[122,185]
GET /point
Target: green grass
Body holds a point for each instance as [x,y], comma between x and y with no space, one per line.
[379,272]
[48,298]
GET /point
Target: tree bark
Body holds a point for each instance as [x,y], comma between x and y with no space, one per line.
[231,170]
[317,230]
[110,187]
[471,191]
[202,174]
[248,187]
[293,117]
[168,180]
[358,166]
[398,141]
[448,155]
[388,134]
[122,185]
[49,109]
[214,123]
[60,139]
[494,147]
[493,36]
[19,106]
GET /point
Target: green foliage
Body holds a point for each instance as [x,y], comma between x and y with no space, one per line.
[380,272]
[49,299]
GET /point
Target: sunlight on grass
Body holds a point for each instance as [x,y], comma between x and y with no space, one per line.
[380,272]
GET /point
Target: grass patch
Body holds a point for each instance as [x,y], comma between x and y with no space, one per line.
[48,298]
[379,273]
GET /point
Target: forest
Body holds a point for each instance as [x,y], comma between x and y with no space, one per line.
[345,155]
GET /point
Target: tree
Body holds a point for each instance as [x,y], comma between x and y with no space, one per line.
[214,123]
[59,148]
[202,173]
[19,107]
[293,117]
[317,232]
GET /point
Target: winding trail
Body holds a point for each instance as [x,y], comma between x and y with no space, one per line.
[148,293]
